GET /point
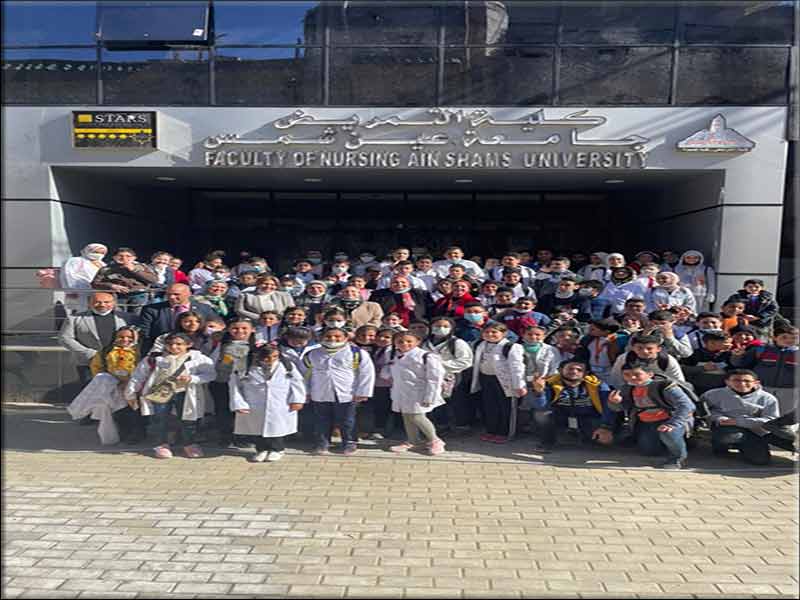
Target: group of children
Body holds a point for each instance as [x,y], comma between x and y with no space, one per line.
[609,351]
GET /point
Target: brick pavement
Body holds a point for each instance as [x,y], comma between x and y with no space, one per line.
[79,521]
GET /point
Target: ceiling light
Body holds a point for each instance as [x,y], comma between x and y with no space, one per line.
[312,180]
[165,178]
[614,181]
[463,180]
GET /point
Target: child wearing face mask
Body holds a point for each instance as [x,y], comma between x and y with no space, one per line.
[365,260]
[103,398]
[417,377]
[266,399]
[503,300]
[540,358]
[338,375]
[393,321]
[456,356]
[334,318]
[268,328]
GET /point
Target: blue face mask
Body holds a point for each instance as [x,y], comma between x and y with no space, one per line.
[532,346]
[473,317]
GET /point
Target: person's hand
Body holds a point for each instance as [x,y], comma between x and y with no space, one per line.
[538,384]
[665,428]
[666,329]
[521,392]
[360,398]
[133,403]
[243,411]
[726,422]
[184,378]
[295,406]
[749,317]
[603,435]
[120,289]
[615,397]
[709,366]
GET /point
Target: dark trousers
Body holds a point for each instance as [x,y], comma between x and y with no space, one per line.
[222,411]
[84,374]
[753,448]
[328,415]
[160,421]
[269,444]
[130,423]
[466,406]
[499,411]
[376,414]
[550,420]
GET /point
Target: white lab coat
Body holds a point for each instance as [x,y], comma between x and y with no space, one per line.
[544,362]
[267,399]
[332,378]
[100,398]
[199,366]
[618,294]
[510,371]
[78,273]
[416,381]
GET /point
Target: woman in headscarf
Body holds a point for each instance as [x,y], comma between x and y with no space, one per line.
[698,277]
[669,292]
[78,273]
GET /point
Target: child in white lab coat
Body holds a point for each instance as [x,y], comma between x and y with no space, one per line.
[338,374]
[417,377]
[266,399]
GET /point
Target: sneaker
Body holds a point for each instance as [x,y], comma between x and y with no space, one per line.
[193,451]
[404,447]
[259,457]
[436,447]
[274,456]
[162,451]
[375,436]
[674,464]
[349,450]
[320,452]
[487,437]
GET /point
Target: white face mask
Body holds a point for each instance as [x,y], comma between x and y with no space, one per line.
[441,331]
[584,292]
[102,313]
[332,345]
[95,256]
[367,258]
[339,269]
[335,324]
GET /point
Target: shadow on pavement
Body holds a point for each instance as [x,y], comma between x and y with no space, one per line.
[48,428]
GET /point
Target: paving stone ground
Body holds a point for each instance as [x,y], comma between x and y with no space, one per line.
[81,521]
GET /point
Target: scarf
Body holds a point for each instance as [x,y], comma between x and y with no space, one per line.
[218,304]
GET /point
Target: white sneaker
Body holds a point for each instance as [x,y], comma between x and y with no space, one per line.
[259,457]
[274,456]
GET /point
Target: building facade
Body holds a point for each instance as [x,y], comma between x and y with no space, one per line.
[342,125]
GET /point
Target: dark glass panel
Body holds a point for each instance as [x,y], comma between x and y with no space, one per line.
[743,76]
[155,77]
[737,22]
[618,23]
[615,76]
[52,76]
[268,76]
[383,76]
[49,23]
[280,23]
[369,23]
[491,22]
[498,76]
[141,24]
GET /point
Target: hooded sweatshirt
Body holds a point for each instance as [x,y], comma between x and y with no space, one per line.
[700,278]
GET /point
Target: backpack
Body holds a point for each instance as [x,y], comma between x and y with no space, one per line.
[506,350]
[662,360]
[701,412]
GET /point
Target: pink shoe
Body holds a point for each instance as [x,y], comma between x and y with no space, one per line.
[436,447]
[487,437]
[162,451]
[404,447]
[500,439]
[193,451]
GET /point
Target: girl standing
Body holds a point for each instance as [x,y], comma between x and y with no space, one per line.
[417,377]
[174,380]
[266,399]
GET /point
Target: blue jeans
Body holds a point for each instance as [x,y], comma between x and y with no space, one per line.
[328,415]
[652,442]
[550,420]
[134,302]
[160,421]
